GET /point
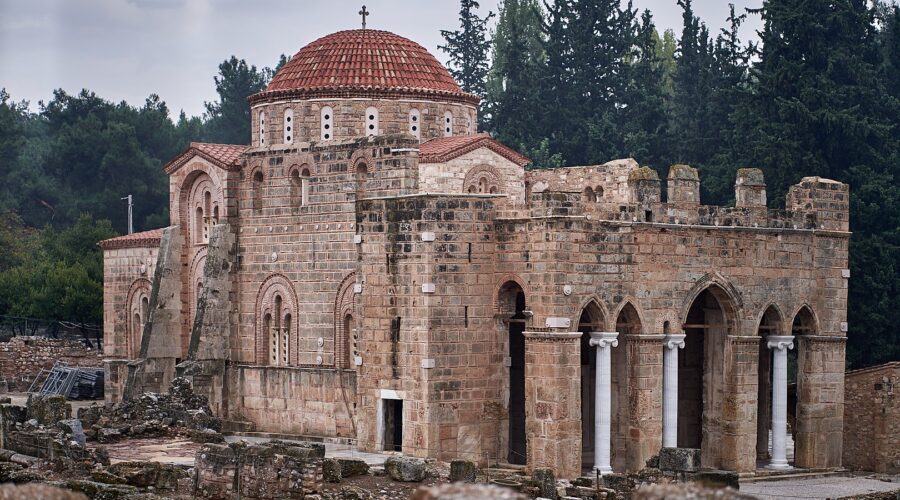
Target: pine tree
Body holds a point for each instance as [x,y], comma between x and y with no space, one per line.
[818,107]
[645,101]
[228,120]
[517,58]
[468,49]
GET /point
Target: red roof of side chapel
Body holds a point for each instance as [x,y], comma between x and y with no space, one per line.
[134,240]
[223,155]
[447,148]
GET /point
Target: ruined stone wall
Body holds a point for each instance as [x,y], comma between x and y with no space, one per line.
[127,273]
[22,358]
[293,400]
[464,172]
[872,419]
[350,119]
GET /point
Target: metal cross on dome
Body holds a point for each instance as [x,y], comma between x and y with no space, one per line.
[363,13]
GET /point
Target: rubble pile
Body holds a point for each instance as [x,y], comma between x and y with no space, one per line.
[179,412]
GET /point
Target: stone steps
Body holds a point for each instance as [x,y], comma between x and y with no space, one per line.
[765,475]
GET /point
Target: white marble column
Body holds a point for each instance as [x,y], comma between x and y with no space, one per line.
[780,345]
[604,341]
[672,342]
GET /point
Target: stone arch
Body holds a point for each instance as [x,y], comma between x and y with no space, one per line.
[804,368]
[483,179]
[511,318]
[722,289]
[134,330]
[276,285]
[766,315]
[362,156]
[502,306]
[345,343]
[257,184]
[805,312]
[300,177]
[591,302]
[627,302]
[200,198]
[710,316]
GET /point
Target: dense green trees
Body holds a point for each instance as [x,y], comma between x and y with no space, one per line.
[64,169]
[468,49]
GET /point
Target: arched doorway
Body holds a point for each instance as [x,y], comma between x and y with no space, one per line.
[511,300]
[770,324]
[591,320]
[701,373]
[624,452]
[799,367]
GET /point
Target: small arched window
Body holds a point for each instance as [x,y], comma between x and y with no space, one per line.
[327,123]
[207,221]
[199,226]
[362,172]
[262,128]
[598,193]
[371,121]
[448,124]
[415,127]
[288,126]
[589,194]
[278,326]
[350,335]
[257,190]
[304,186]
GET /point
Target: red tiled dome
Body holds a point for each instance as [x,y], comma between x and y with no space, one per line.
[363,62]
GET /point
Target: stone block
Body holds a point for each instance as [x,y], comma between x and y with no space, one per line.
[37,492]
[462,471]
[406,469]
[545,481]
[72,427]
[331,470]
[48,410]
[717,479]
[679,459]
[147,474]
[462,491]
[353,467]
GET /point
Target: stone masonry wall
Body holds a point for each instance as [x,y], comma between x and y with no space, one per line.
[22,358]
[872,419]
[126,273]
[350,119]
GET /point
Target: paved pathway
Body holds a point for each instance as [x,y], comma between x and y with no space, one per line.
[818,487]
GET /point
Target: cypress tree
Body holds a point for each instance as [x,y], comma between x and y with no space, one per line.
[467,49]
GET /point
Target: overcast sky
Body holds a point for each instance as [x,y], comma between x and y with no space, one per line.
[128,49]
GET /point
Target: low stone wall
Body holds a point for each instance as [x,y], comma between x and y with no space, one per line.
[22,358]
[293,400]
[267,471]
[872,419]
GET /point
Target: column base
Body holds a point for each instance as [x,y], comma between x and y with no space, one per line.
[604,470]
[779,466]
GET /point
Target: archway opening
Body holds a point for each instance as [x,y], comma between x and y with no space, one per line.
[362,173]
[624,452]
[591,320]
[257,190]
[798,437]
[770,324]
[350,339]
[701,369]
[512,307]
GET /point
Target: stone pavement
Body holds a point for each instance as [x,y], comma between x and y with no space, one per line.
[818,487]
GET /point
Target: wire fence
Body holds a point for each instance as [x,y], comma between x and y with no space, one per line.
[18,326]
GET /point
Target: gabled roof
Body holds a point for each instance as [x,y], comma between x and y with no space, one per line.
[223,155]
[447,148]
[135,240]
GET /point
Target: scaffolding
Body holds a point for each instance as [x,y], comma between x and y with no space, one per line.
[68,381]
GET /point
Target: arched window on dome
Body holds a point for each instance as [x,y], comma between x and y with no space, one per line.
[327,123]
[414,123]
[371,121]
[288,126]
[262,128]
[448,124]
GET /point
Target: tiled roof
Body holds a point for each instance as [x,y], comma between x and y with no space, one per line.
[446,148]
[135,240]
[376,62]
[223,155]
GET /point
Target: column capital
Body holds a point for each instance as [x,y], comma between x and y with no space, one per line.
[604,339]
[674,340]
[780,342]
